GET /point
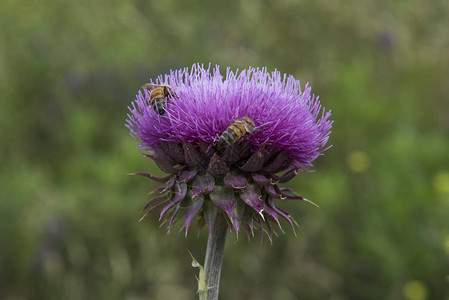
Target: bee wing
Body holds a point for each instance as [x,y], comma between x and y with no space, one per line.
[168,89]
[150,86]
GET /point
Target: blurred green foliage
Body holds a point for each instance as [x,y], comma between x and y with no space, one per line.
[68,212]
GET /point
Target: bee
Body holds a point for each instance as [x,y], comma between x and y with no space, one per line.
[235,131]
[158,96]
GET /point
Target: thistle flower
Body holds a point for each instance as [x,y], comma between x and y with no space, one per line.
[242,177]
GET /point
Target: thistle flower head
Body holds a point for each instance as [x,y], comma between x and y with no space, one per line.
[227,142]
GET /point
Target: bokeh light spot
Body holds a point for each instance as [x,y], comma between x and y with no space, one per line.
[358,161]
[441,182]
[415,290]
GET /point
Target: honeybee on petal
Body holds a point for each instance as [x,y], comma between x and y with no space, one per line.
[158,96]
[239,128]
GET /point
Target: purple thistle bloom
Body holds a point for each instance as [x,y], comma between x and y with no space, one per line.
[290,131]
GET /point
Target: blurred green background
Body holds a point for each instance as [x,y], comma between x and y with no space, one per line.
[69,212]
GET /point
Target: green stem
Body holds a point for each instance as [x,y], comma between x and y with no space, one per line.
[214,257]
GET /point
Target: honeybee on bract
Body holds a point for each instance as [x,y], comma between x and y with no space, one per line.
[239,128]
[158,96]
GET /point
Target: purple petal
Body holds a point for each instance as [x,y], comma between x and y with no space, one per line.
[174,151]
[169,185]
[165,165]
[210,212]
[267,153]
[175,217]
[180,193]
[275,164]
[159,153]
[206,149]
[193,157]
[235,152]
[154,199]
[283,214]
[217,166]
[193,206]
[285,177]
[224,198]
[260,179]
[271,212]
[152,177]
[231,154]
[187,175]
[235,181]
[287,193]
[159,189]
[253,164]
[150,209]
[252,196]
[272,192]
[286,190]
[202,185]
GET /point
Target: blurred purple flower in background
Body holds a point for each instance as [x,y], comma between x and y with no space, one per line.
[241,178]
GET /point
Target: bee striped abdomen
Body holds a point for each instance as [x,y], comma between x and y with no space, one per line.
[235,131]
[159,95]
[159,105]
[157,100]
[227,138]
